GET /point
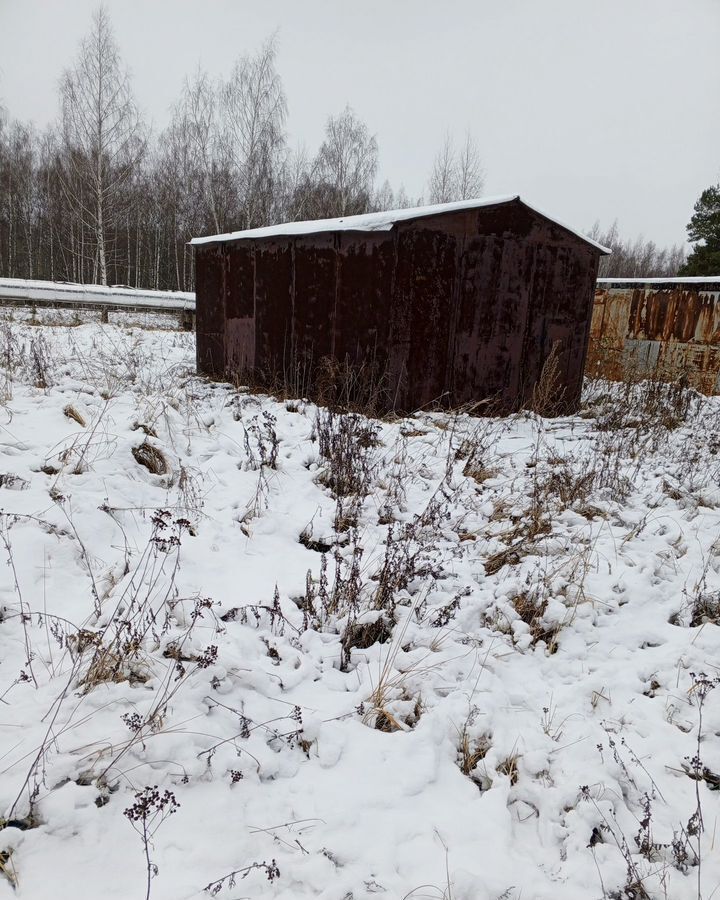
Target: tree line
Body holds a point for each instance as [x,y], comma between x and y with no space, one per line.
[644,259]
[97,198]
[638,258]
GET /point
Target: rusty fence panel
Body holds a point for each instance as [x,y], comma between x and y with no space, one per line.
[667,328]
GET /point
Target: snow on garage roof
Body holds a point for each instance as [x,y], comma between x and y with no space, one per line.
[379,221]
[681,279]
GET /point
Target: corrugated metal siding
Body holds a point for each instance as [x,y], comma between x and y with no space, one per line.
[494,320]
[669,331]
[239,308]
[424,300]
[454,309]
[360,319]
[563,281]
[316,300]
[210,313]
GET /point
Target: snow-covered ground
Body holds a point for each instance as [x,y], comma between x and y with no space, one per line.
[487,670]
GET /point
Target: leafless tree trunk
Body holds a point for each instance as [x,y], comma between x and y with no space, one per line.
[470,176]
[102,134]
[346,165]
[441,188]
[456,175]
[194,131]
[297,176]
[254,110]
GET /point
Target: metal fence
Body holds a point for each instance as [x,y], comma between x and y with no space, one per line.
[666,327]
[61,295]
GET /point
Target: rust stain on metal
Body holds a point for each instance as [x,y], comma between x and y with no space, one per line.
[459,307]
[670,330]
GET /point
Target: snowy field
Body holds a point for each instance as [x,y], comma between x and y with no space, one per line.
[252,650]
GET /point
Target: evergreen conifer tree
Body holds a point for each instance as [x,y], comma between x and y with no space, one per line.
[704,232]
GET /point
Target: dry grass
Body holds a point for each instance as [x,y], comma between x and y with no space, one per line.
[361,636]
[699,610]
[344,442]
[472,751]
[531,610]
[153,459]
[479,471]
[570,482]
[360,387]
[547,395]
[106,667]
[509,767]
[705,608]
[7,869]
[641,405]
[339,385]
[391,683]
[72,413]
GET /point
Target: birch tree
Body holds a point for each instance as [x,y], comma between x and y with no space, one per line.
[637,258]
[297,180]
[254,110]
[195,137]
[456,174]
[91,199]
[102,135]
[441,187]
[469,172]
[186,177]
[346,165]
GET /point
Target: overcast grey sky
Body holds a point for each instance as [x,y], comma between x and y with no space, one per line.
[592,109]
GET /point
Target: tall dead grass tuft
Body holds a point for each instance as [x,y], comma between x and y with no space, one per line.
[346,386]
[344,442]
[548,394]
[72,413]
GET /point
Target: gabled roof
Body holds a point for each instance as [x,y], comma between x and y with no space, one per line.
[380,221]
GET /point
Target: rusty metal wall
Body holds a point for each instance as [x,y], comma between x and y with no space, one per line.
[452,309]
[667,329]
[210,312]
